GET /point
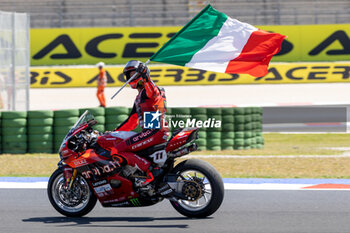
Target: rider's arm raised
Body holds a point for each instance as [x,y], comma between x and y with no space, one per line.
[151,88]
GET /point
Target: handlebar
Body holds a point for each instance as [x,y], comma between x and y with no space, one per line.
[78,141]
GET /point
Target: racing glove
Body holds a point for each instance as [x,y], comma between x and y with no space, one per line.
[144,71]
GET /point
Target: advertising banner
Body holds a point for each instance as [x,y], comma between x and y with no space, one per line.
[73,46]
[46,77]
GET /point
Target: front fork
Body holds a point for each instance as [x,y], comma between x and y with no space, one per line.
[69,175]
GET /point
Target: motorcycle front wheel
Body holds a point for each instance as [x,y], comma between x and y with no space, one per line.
[203,188]
[77,201]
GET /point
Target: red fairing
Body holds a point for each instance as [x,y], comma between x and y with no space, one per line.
[102,166]
[66,153]
[133,159]
[107,194]
[179,139]
[88,157]
[142,140]
[108,141]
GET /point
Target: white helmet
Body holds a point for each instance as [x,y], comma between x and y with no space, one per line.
[100,64]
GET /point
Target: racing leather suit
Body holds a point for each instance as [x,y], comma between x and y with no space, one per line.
[149,99]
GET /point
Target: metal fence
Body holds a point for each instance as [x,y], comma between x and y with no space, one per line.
[122,13]
[14,61]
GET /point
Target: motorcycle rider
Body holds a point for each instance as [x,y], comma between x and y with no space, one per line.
[150,100]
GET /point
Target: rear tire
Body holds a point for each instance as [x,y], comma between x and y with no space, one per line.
[209,175]
[69,206]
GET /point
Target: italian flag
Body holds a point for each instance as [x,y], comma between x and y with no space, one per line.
[213,41]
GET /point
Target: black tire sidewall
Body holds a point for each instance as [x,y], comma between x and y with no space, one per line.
[216,184]
[91,204]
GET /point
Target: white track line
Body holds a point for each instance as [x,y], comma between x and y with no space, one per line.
[267,156]
[23,185]
[228,186]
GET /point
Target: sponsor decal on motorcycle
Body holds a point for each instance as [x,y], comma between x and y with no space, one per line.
[117,199]
[125,203]
[80,162]
[99,183]
[135,202]
[142,159]
[142,143]
[141,136]
[179,143]
[165,190]
[111,201]
[87,174]
[65,152]
[99,170]
[159,157]
[104,188]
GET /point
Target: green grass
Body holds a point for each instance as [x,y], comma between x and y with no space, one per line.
[294,144]
[283,167]
[275,144]
[28,164]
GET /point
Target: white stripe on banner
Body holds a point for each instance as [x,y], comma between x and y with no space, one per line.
[226,46]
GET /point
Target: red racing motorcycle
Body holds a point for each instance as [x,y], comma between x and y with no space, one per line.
[89,171]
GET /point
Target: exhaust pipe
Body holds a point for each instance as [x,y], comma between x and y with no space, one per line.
[184,151]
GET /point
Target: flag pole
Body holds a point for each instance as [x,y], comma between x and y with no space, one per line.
[127,82]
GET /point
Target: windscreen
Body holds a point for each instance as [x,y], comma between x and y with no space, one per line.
[84,118]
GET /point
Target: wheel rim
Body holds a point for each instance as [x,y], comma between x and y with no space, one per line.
[200,198]
[74,200]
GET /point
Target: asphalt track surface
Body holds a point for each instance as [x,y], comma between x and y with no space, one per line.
[29,211]
[320,118]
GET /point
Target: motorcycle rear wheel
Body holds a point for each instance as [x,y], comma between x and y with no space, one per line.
[77,202]
[203,187]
